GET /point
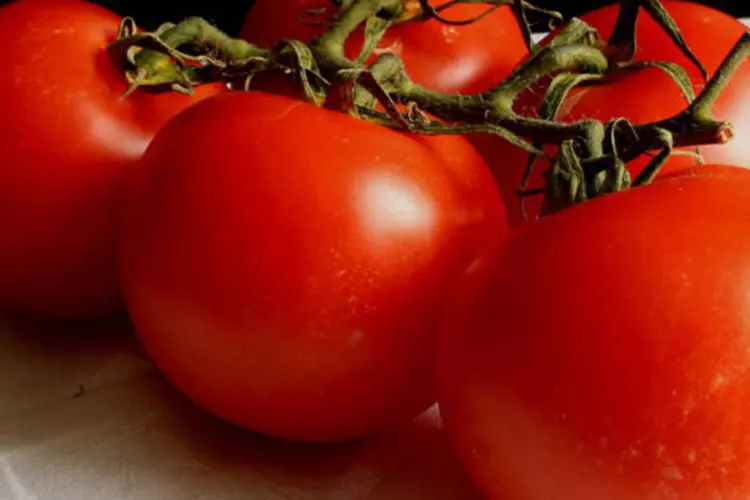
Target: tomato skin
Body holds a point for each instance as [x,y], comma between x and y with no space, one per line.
[607,346]
[68,143]
[465,59]
[297,262]
[642,96]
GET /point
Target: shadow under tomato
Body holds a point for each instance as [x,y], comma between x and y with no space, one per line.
[103,335]
[412,462]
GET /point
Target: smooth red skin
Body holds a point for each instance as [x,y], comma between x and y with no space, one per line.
[641,97]
[68,143]
[603,352]
[463,59]
[270,290]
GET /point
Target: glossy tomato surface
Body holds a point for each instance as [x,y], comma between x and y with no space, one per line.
[446,58]
[286,276]
[68,142]
[642,96]
[603,351]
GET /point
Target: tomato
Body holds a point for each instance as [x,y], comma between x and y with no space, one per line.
[69,142]
[445,58]
[642,96]
[286,274]
[603,351]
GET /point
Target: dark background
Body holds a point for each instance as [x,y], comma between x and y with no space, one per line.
[228,14]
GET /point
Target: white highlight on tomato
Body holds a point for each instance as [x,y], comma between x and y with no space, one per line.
[393,205]
[102,126]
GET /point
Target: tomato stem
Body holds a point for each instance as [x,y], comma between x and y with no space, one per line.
[155,59]
[702,107]
[496,106]
[592,155]
[329,46]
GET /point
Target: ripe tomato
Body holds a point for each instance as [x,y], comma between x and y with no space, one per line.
[465,59]
[603,351]
[285,275]
[642,96]
[68,142]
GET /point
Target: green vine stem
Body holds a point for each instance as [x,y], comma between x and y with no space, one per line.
[591,155]
[329,47]
[155,59]
[575,178]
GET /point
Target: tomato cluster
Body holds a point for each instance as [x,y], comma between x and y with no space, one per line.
[317,275]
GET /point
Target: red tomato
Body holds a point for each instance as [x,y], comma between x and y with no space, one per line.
[68,142]
[445,58]
[603,351]
[642,96]
[287,275]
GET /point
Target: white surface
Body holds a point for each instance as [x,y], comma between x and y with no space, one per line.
[129,436]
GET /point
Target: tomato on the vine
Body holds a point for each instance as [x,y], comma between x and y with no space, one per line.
[641,96]
[602,352]
[69,142]
[446,58]
[711,35]
[286,274]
